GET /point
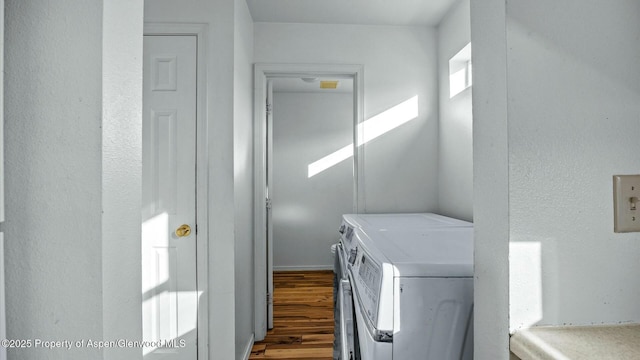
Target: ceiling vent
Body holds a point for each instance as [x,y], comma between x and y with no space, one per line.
[328,84]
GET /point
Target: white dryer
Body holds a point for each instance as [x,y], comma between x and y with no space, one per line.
[412,286]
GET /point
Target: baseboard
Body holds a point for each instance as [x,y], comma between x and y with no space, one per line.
[303,268]
[247,350]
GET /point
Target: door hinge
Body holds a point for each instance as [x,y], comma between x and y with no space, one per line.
[269,109]
[268,203]
[269,299]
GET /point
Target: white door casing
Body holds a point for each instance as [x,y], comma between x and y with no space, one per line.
[170,296]
[269,108]
[262,232]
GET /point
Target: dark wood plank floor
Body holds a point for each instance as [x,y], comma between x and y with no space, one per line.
[302,317]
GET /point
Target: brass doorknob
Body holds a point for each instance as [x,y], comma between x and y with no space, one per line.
[183,230]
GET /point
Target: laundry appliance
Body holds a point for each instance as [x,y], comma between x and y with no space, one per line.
[404,287]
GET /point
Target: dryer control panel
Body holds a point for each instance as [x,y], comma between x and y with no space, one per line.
[346,234]
[368,285]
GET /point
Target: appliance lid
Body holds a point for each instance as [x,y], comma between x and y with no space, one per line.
[435,252]
[403,221]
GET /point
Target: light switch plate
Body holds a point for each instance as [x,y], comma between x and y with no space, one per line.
[626,203]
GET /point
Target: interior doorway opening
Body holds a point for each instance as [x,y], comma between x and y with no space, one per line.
[310,168]
[310,171]
[300,138]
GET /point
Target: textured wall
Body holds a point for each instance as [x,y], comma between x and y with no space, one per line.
[556,102]
[3,318]
[53,174]
[574,100]
[2,113]
[73,182]
[122,172]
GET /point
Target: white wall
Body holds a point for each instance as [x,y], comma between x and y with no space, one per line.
[2,120]
[574,100]
[220,51]
[573,84]
[53,181]
[122,173]
[3,318]
[399,63]
[307,211]
[455,163]
[243,175]
[490,181]
[64,277]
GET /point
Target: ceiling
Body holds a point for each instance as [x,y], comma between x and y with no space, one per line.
[361,12]
[358,12]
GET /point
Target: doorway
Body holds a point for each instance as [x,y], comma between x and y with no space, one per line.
[302,130]
[310,168]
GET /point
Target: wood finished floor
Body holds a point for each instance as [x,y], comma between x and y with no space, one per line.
[302,317]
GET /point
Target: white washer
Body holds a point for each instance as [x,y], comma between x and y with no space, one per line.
[391,222]
[405,221]
[412,281]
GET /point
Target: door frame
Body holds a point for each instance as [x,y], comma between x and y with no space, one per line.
[262,72]
[202,145]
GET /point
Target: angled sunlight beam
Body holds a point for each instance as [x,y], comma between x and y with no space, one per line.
[388,120]
[369,130]
[330,160]
[459,81]
[460,71]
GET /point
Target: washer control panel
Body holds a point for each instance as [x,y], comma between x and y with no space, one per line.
[369,278]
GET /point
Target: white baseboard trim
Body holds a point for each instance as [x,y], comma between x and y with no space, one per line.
[247,350]
[303,268]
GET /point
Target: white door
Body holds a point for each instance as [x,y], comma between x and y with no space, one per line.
[170,298]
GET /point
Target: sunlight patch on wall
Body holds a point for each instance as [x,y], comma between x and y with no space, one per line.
[369,130]
[388,120]
[525,284]
[460,71]
[330,160]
